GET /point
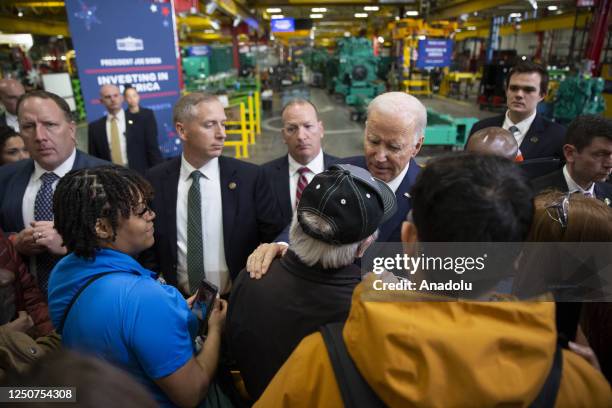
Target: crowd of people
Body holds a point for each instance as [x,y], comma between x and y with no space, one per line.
[106,253]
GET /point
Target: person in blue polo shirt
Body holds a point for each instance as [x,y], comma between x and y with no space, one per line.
[105,303]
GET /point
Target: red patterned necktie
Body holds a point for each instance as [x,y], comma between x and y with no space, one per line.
[301,184]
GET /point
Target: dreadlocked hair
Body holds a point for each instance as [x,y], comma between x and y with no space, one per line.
[82,197]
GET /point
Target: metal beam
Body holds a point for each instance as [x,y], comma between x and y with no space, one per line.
[558,22]
[48,4]
[32,3]
[33,26]
[456,9]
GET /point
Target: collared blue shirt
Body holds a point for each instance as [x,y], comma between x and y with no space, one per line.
[127,318]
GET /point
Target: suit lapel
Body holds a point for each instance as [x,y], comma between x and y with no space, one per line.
[129,129]
[404,203]
[281,182]
[15,199]
[533,136]
[230,185]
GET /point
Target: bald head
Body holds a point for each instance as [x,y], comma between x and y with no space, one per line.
[111,98]
[10,91]
[494,141]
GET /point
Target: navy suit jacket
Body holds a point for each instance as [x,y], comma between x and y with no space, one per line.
[543,139]
[140,136]
[277,173]
[556,181]
[250,215]
[14,179]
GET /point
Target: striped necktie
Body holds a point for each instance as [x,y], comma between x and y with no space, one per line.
[301,184]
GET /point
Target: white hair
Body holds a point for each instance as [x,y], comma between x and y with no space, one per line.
[312,251]
[404,106]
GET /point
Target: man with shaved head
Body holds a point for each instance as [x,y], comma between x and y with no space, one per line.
[121,136]
[495,141]
[10,91]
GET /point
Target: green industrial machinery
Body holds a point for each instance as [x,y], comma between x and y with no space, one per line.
[316,59]
[579,95]
[446,130]
[357,77]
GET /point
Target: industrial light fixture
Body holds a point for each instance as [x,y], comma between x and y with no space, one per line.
[421,37]
[276,16]
[215,24]
[20,13]
[274,10]
[381,40]
[371,8]
[361,15]
[347,34]
[534,4]
[524,58]
[236,22]
[514,15]
[412,13]
[397,18]
[211,7]
[319,10]
[552,8]
[316,16]
[471,28]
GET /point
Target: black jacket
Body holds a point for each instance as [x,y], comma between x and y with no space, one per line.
[268,317]
[277,172]
[250,215]
[140,136]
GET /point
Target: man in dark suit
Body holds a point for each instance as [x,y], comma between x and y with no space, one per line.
[212,211]
[26,187]
[537,137]
[302,133]
[10,91]
[588,155]
[394,134]
[123,137]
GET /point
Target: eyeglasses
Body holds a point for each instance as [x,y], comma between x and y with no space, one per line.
[559,210]
[145,209]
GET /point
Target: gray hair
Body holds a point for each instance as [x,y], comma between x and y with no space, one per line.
[404,106]
[312,251]
[185,108]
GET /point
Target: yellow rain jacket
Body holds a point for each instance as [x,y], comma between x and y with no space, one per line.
[440,354]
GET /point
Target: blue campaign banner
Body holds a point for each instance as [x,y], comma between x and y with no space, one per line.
[133,42]
[283,25]
[434,53]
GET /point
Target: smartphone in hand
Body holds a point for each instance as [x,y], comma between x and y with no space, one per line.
[204,303]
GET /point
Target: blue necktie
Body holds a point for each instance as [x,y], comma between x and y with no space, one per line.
[43,211]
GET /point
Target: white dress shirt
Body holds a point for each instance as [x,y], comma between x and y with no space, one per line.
[122,127]
[523,127]
[395,183]
[11,121]
[215,266]
[573,187]
[29,196]
[315,166]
